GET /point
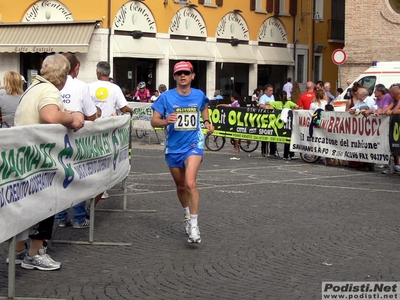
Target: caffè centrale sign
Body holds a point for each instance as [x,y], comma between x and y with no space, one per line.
[42,12]
[48,11]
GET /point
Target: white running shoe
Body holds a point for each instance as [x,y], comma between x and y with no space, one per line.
[186,223]
[19,257]
[42,262]
[194,235]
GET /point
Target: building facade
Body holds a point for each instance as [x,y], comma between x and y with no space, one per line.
[371,28]
[233,45]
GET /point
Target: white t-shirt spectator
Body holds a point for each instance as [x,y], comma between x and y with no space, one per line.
[76,97]
[107,96]
[288,87]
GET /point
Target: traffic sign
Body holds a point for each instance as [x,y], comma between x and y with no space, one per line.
[339,56]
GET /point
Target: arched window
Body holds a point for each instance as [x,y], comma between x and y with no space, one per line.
[395,5]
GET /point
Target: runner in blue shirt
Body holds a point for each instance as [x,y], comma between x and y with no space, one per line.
[178,110]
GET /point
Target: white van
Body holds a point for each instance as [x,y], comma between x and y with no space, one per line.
[385,72]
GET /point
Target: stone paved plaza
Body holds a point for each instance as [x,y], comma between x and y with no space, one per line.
[271,229]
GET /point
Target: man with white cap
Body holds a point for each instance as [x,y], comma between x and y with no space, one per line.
[179,111]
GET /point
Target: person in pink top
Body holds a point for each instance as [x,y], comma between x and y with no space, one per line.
[142,94]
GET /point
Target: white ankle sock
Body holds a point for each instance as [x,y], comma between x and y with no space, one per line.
[186,211]
[193,220]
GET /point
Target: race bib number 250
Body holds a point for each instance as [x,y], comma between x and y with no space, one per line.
[187,118]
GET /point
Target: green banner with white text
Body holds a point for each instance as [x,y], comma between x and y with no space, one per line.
[47,168]
[250,123]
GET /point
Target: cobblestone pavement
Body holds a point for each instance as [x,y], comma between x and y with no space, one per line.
[271,229]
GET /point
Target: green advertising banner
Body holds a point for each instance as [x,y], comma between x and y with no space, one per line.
[250,123]
[47,168]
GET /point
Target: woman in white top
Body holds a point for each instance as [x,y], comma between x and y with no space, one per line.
[318,101]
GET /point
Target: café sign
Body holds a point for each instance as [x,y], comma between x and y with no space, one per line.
[48,10]
[34,49]
[134,15]
[233,25]
[188,22]
[272,31]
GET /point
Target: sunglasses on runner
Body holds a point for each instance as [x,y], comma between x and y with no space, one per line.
[186,73]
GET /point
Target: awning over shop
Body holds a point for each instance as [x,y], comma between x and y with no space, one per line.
[274,56]
[235,54]
[190,50]
[46,37]
[145,47]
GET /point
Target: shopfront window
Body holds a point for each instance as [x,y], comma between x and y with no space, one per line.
[128,72]
[31,63]
[274,75]
[233,77]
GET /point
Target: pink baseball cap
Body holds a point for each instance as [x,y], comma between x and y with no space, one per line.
[183,66]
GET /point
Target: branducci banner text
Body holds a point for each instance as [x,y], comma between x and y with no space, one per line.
[342,136]
[47,168]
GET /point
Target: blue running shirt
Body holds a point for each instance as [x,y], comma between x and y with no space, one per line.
[186,132]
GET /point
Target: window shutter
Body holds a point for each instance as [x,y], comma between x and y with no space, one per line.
[270,5]
[220,2]
[276,7]
[201,1]
[253,5]
[293,7]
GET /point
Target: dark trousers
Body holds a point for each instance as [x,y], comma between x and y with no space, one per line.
[44,229]
[286,152]
[272,148]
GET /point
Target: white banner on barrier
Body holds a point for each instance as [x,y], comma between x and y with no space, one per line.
[342,136]
[142,114]
[47,168]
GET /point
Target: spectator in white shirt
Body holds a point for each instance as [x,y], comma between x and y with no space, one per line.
[288,87]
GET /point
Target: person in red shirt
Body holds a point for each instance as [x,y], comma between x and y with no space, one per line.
[307,97]
[142,94]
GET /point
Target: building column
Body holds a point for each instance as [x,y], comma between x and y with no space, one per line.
[162,65]
[253,74]
[210,79]
[253,69]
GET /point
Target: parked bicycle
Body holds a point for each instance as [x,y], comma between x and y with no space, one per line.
[309,158]
[141,133]
[216,143]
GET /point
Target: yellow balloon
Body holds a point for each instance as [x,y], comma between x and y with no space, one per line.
[102,93]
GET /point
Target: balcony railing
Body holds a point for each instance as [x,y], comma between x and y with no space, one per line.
[336,30]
